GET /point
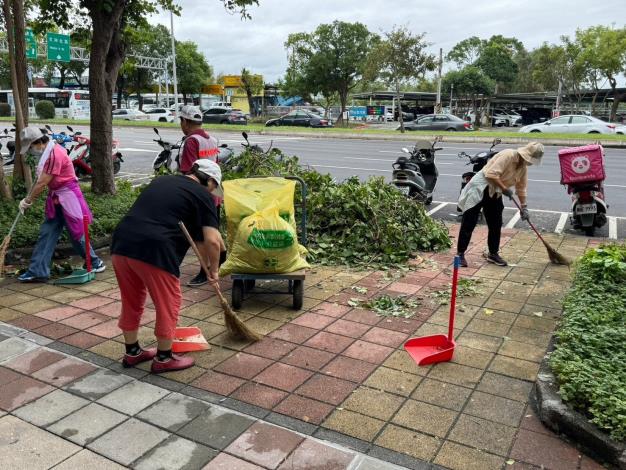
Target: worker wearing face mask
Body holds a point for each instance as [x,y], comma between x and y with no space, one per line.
[65,205]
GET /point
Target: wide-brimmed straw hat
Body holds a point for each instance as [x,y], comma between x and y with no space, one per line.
[532,152]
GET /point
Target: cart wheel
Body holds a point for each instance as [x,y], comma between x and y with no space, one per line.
[249,284]
[298,294]
[237,294]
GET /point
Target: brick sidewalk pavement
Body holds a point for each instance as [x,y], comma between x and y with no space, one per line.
[339,373]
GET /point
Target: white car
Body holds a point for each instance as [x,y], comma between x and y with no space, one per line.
[130,115]
[507,118]
[160,114]
[620,129]
[572,124]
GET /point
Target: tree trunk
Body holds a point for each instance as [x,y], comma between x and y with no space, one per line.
[62,80]
[400,117]
[617,99]
[120,89]
[107,55]
[185,98]
[250,104]
[343,99]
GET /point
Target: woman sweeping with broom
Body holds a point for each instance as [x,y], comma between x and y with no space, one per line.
[148,247]
[65,205]
[506,169]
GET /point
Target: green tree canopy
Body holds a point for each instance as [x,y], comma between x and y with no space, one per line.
[192,69]
[251,85]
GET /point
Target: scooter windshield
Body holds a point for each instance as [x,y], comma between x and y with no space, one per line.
[423,145]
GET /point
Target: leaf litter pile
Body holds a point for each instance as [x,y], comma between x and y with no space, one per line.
[465,288]
[361,224]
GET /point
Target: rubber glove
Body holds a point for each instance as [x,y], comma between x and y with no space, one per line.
[508,193]
[523,213]
[24,205]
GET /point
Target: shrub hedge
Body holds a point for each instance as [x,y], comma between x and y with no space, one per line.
[45,109]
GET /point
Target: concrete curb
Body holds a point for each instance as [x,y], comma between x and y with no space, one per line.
[561,419]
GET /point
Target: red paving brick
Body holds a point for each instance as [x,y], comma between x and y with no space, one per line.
[308,358]
[63,372]
[55,330]
[293,333]
[83,340]
[228,462]
[259,395]
[85,320]
[283,377]
[112,294]
[270,348]
[362,316]
[21,391]
[315,455]
[348,328]
[218,383]
[403,288]
[331,310]
[59,313]
[329,342]
[313,320]
[350,369]
[112,309]
[108,329]
[7,376]
[306,409]
[403,325]
[390,338]
[327,389]
[265,445]
[243,365]
[531,422]
[91,302]
[540,449]
[29,322]
[34,360]
[370,352]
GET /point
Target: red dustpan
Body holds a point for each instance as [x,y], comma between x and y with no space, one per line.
[189,339]
[436,348]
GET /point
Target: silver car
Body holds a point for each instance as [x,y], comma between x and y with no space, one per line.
[572,124]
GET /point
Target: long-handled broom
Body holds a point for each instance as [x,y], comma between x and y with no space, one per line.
[5,243]
[555,256]
[233,323]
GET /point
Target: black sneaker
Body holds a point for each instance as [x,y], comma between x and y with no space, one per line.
[496,259]
[199,280]
[462,260]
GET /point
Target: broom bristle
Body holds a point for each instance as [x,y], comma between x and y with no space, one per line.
[235,325]
[557,258]
[3,252]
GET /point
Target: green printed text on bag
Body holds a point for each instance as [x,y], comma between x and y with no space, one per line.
[270,239]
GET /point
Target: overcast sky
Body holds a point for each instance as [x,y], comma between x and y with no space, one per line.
[230,43]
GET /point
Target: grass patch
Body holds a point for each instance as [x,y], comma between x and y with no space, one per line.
[590,357]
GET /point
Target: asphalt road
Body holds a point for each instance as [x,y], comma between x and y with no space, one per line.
[548,200]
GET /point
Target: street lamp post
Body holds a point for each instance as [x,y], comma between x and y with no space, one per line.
[174,63]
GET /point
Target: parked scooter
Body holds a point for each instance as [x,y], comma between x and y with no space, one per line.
[582,171]
[63,138]
[478,162]
[81,152]
[163,161]
[416,175]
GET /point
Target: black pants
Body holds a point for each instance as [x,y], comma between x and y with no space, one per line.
[492,208]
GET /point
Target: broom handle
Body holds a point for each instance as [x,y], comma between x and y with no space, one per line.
[529,222]
[19,214]
[205,268]
[455,279]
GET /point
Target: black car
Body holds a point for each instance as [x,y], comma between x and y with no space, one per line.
[438,122]
[224,116]
[302,118]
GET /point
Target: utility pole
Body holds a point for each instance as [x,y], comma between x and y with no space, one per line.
[174,63]
[557,111]
[438,107]
[451,92]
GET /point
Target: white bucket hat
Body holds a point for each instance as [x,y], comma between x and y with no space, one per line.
[532,152]
[191,113]
[28,135]
[213,171]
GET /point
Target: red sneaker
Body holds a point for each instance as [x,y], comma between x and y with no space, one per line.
[173,363]
[143,356]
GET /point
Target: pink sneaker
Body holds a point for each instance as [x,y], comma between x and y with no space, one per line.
[173,363]
[143,356]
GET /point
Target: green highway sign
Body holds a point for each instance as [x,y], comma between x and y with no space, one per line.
[58,47]
[31,44]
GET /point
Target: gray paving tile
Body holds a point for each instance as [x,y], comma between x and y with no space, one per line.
[87,459]
[50,408]
[176,454]
[98,384]
[35,338]
[12,347]
[133,397]
[128,441]
[173,411]
[369,463]
[216,428]
[87,424]
[31,447]
[3,337]
[10,330]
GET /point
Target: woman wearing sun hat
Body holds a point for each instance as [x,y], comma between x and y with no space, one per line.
[508,168]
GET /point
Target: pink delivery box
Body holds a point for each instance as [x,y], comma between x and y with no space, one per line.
[582,164]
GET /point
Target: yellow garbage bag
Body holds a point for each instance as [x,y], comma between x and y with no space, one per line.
[264,244]
[243,197]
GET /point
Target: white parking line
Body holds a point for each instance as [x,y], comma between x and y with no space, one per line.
[349,168]
[383,161]
[438,207]
[613,228]
[133,149]
[513,220]
[561,223]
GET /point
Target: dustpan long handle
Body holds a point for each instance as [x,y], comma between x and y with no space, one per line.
[455,279]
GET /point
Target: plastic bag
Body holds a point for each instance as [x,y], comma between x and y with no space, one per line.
[264,244]
[243,197]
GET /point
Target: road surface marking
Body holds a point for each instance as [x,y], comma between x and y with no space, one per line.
[513,220]
[383,161]
[349,168]
[561,223]
[613,228]
[440,206]
[132,149]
